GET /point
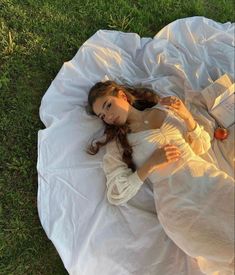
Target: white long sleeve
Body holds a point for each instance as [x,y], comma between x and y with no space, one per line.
[199,140]
[122,183]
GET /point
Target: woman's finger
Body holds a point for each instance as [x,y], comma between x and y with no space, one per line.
[170,155]
[172,160]
[168,145]
[171,149]
[171,108]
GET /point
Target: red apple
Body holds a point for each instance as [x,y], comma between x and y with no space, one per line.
[221,133]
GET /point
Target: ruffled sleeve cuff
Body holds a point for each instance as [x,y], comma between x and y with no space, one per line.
[136,179]
[196,133]
[199,140]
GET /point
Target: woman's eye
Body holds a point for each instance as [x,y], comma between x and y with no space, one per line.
[109,105]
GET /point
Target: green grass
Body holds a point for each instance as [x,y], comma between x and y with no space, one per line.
[36,37]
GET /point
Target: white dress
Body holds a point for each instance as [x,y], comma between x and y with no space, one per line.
[194,200]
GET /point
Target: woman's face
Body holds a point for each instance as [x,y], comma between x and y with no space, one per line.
[112,109]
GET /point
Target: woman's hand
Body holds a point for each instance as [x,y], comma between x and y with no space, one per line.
[163,156]
[160,158]
[174,104]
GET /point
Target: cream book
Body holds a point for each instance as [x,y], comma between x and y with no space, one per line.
[220,100]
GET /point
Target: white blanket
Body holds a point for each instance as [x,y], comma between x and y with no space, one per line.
[90,234]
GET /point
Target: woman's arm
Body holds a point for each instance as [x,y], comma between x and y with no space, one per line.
[122,183]
[195,135]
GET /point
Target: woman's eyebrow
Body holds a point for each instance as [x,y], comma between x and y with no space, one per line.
[103,106]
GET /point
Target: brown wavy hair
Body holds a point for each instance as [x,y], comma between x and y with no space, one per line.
[139,98]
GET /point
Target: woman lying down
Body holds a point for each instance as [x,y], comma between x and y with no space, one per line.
[158,138]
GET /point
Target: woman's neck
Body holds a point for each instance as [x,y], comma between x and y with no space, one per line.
[137,119]
[134,115]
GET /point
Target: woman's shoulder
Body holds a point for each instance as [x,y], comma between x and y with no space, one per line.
[159,106]
[157,116]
